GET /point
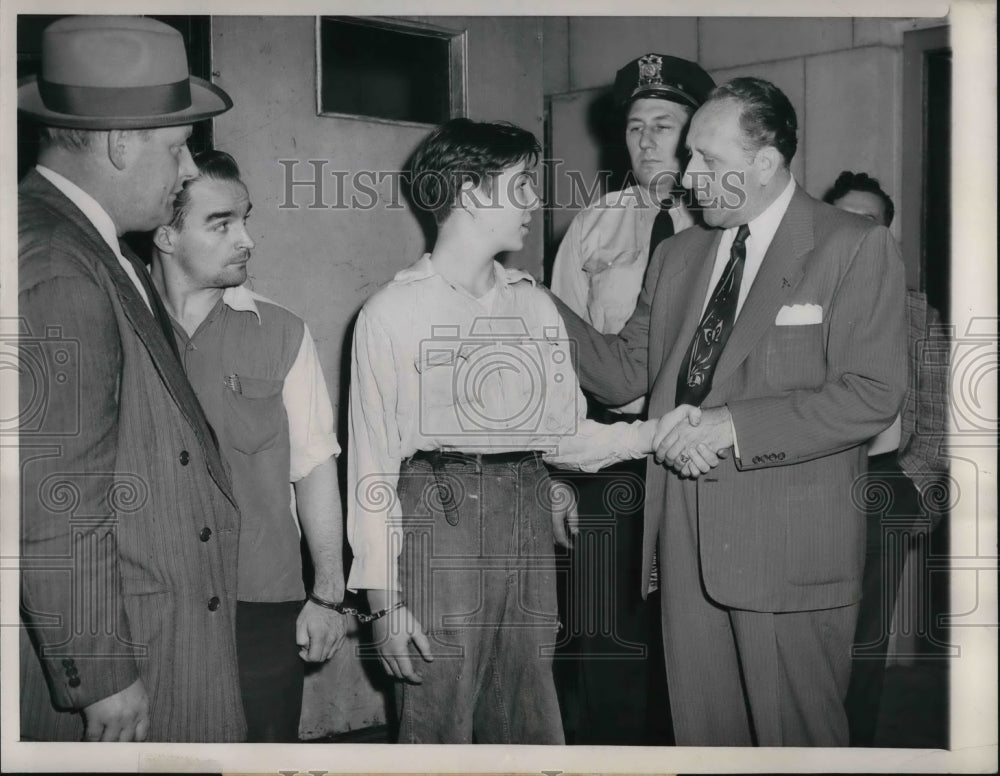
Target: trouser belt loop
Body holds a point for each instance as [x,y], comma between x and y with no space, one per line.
[445,493]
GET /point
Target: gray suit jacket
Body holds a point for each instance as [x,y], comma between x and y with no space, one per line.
[129,529]
[781,528]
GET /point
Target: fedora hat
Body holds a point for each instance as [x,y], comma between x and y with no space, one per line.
[116,72]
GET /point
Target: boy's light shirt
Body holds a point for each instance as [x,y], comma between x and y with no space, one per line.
[434,368]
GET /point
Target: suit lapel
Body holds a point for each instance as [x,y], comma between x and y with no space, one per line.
[779,274]
[143,324]
[687,288]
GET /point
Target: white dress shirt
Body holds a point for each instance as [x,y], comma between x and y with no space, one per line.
[762,230]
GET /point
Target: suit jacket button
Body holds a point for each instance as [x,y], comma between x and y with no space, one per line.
[214,603]
[184,457]
[74,681]
[71,671]
[67,662]
[756,459]
[781,456]
[206,534]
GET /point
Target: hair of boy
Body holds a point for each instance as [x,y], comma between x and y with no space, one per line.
[212,165]
[461,151]
[849,181]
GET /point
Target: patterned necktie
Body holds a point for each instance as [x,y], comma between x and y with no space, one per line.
[695,378]
[159,311]
[663,227]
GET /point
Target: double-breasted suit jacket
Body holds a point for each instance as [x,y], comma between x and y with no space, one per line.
[129,529]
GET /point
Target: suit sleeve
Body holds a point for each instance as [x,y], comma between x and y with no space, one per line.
[71,601]
[613,367]
[865,370]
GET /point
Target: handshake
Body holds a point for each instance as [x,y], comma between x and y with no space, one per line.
[689,440]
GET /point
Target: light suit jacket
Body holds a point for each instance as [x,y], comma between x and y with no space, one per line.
[129,529]
[781,527]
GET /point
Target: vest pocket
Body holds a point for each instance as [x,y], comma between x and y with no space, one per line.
[255,414]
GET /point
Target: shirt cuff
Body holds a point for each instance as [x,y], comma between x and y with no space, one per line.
[736,442]
[374,570]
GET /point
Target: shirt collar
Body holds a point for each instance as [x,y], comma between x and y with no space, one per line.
[241,299]
[89,206]
[424,269]
[764,226]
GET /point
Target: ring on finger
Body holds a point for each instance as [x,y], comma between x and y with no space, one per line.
[684,458]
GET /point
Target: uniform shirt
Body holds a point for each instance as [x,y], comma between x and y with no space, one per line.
[601,262]
[254,368]
[434,368]
[99,217]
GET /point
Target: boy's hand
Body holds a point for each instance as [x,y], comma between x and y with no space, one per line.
[565,518]
[393,634]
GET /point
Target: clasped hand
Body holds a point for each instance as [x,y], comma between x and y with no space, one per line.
[692,441]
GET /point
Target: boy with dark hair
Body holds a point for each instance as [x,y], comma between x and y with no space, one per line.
[462,385]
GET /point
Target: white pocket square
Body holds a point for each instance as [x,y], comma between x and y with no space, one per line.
[799,315]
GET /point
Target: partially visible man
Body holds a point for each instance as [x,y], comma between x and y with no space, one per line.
[786,326]
[129,526]
[906,461]
[254,367]
[614,652]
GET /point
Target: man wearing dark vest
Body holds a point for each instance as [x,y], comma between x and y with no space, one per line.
[129,526]
[254,367]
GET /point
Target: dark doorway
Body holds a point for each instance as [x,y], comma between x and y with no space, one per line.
[926,200]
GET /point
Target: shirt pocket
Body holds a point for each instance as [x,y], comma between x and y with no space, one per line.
[796,357]
[603,259]
[255,416]
[438,369]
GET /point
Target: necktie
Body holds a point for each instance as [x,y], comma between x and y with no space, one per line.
[159,311]
[695,378]
[663,227]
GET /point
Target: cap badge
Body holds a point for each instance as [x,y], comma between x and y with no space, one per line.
[650,70]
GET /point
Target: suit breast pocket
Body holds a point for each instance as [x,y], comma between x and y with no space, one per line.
[796,357]
[255,416]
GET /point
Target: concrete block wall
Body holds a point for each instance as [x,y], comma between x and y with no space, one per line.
[843,76]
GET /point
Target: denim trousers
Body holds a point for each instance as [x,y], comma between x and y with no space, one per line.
[477,569]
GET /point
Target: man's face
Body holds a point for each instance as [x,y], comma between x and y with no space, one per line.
[161,163]
[505,210]
[653,130]
[212,248]
[722,173]
[864,203]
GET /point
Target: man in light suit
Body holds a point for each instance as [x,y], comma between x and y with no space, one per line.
[129,527]
[785,325]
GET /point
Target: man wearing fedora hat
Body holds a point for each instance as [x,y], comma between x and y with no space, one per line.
[129,527]
[598,273]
